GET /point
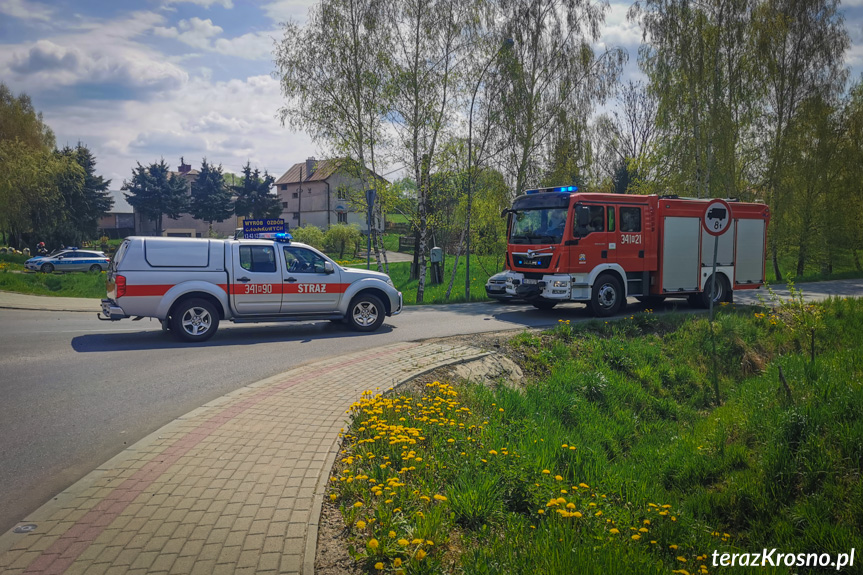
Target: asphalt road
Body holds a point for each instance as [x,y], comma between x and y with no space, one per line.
[76,391]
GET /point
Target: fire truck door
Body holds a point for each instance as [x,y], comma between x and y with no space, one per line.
[308,287]
[592,247]
[626,235]
[257,284]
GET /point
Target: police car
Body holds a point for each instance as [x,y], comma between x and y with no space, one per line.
[70,260]
[192,284]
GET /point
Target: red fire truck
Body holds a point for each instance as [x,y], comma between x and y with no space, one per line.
[565,245]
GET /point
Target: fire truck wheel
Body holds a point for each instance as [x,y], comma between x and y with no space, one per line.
[723,293]
[544,305]
[366,313]
[607,297]
[194,320]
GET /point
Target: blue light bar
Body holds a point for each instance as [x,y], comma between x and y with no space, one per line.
[557,189]
[285,238]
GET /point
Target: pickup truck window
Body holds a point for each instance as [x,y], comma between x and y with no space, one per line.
[258,258]
[300,260]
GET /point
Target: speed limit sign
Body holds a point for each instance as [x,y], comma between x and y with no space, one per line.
[717,217]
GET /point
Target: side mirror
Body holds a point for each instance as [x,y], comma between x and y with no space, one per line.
[328,268]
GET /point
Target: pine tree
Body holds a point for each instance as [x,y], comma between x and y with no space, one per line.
[254,199]
[211,198]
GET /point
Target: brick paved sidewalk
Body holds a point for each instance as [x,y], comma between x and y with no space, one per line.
[233,487]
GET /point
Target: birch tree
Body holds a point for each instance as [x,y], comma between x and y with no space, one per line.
[332,74]
[424,52]
[554,75]
[801,44]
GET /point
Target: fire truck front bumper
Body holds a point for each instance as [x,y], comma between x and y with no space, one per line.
[551,287]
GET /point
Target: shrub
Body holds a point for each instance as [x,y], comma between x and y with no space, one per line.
[340,238]
[310,235]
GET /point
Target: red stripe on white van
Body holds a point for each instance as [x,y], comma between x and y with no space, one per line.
[155,290]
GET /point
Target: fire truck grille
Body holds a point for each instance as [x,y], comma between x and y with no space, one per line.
[537,263]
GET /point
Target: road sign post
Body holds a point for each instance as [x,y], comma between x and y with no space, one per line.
[371,195]
[716,221]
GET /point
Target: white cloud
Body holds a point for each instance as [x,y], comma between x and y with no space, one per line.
[205,3]
[195,32]
[47,65]
[203,35]
[227,122]
[253,46]
[101,52]
[25,10]
[287,10]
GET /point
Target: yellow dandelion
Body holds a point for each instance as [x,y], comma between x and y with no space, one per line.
[379,566]
[361,524]
[636,537]
[373,544]
[440,497]
[397,562]
[614,531]
[558,478]
[403,542]
[420,555]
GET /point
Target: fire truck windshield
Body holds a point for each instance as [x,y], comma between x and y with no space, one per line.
[538,226]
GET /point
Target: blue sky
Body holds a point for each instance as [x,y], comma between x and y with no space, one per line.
[137,81]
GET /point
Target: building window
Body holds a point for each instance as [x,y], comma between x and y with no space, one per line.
[296,215]
[343,217]
[343,194]
[284,187]
[295,195]
[284,204]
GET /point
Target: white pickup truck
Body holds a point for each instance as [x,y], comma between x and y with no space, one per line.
[191,284]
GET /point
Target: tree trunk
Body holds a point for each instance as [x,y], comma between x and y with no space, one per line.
[455,265]
[775,258]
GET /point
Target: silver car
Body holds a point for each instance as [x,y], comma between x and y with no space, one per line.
[69,260]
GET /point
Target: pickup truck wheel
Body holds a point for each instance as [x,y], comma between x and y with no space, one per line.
[47,268]
[194,320]
[366,313]
[607,297]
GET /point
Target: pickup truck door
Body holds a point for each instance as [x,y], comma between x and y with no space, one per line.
[307,287]
[256,286]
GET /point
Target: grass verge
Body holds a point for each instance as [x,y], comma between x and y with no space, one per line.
[616,458]
[15,278]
